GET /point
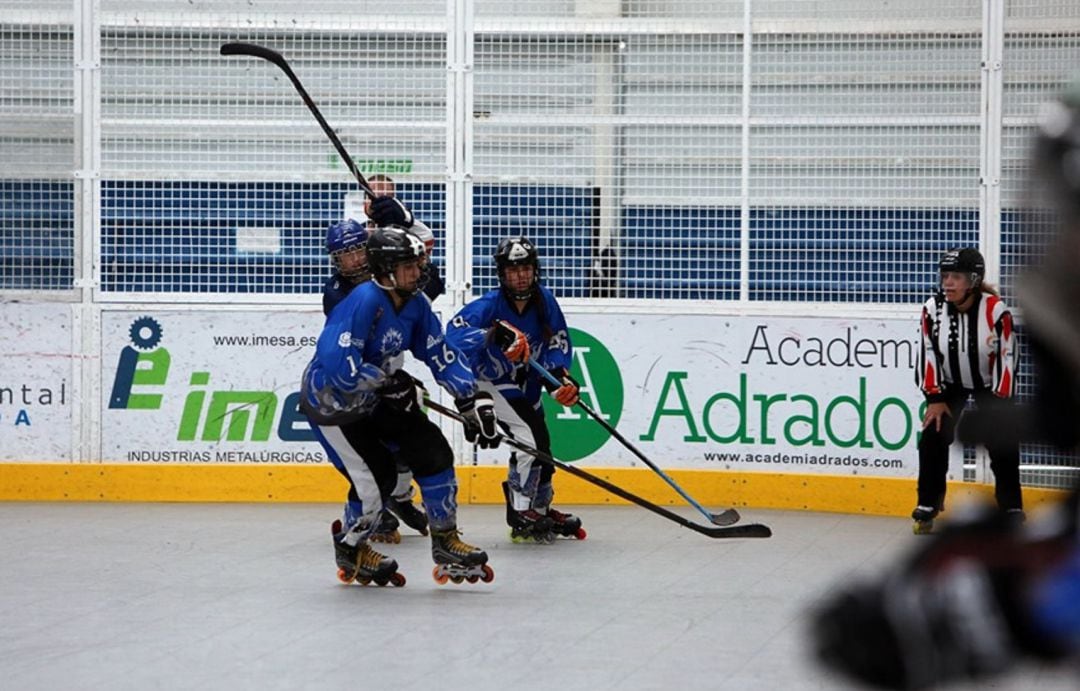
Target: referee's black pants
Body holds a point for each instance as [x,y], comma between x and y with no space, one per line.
[934,456]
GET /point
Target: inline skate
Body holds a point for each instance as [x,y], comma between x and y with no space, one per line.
[527,525]
[386,529]
[456,560]
[359,562]
[409,513]
[565,524]
[924,519]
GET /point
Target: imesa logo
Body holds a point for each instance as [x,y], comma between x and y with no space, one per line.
[142,372]
[575,435]
[144,365]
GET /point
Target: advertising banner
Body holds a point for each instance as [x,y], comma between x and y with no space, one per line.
[37,382]
[797,395]
[208,386]
[775,394]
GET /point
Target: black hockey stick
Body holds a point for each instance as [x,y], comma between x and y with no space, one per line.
[271,55]
[726,517]
[746,530]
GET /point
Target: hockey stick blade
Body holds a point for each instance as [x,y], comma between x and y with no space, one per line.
[752,530]
[271,55]
[746,530]
[727,517]
[254,50]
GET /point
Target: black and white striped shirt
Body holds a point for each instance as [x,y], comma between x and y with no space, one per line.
[970,350]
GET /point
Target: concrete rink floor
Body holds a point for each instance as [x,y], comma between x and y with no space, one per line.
[225,596]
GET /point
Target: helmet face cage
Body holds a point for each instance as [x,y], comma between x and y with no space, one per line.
[966,260]
[517,252]
[390,246]
[343,238]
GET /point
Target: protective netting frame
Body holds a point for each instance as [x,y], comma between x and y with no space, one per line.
[615,233]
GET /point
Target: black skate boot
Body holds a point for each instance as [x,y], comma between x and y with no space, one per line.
[924,519]
[1014,518]
[565,524]
[362,564]
[458,561]
[386,530]
[527,525]
[409,513]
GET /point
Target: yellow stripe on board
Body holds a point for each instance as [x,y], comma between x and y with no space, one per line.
[478,485]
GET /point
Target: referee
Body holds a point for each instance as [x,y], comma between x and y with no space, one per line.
[968,350]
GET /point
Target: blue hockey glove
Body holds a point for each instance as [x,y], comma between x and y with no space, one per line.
[480,421]
[388,211]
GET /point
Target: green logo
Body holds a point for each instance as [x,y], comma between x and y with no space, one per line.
[574,434]
[370,166]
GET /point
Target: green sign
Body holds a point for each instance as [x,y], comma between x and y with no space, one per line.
[370,166]
[575,435]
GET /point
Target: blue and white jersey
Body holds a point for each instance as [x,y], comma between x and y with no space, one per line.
[542,323]
[361,345]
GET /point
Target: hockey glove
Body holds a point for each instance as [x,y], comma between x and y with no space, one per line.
[960,608]
[388,211]
[481,424]
[403,393]
[511,341]
[567,394]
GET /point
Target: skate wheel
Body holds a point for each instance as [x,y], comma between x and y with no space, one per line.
[363,581]
[397,579]
[343,577]
[457,579]
[581,534]
[489,574]
[440,578]
[381,582]
[923,527]
[472,578]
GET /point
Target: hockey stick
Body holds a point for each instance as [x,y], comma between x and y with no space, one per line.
[271,55]
[726,517]
[747,530]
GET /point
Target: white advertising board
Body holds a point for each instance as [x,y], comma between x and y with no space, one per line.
[37,382]
[775,394]
[207,386]
[794,395]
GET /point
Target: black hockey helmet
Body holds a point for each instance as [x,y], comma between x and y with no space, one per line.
[390,246]
[966,260]
[516,252]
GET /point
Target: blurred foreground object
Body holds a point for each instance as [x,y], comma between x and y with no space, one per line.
[986,593]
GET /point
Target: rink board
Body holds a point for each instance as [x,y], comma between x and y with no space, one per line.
[478,485]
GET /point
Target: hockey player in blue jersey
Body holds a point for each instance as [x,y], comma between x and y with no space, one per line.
[365,410]
[346,243]
[499,333]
